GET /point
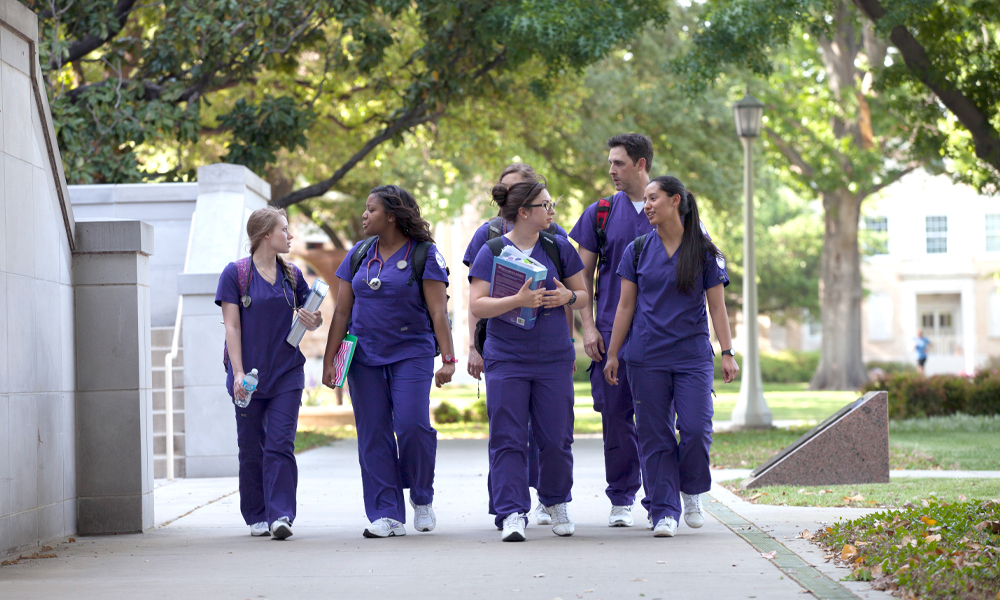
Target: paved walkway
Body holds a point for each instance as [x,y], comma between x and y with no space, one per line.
[201,549]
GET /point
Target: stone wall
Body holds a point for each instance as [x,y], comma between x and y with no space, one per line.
[37,372]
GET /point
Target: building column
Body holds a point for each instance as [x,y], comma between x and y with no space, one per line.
[969,325]
[114,399]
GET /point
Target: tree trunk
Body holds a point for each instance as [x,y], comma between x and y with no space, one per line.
[840,366]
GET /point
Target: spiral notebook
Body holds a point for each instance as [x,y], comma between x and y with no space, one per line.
[342,362]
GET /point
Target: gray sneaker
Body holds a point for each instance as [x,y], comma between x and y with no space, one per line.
[562,525]
[621,516]
[693,515]
[260,529]
[542,515]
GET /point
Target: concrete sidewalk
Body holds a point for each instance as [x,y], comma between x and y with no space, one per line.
[202,549]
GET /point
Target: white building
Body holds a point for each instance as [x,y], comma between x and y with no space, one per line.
[936,258]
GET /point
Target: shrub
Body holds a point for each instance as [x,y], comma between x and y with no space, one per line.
[912,396]
[446,413]
[789,366]
[984,397]
[476,413]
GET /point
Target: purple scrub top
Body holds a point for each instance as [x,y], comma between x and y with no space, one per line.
[548,340]
[391,322]
[623,226]
[669,328]
[482,235]
[265,325]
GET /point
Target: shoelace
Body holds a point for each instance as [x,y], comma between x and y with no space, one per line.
[422,510]
[621,510]
[514,518]
[559,514]
[693,504]
[385,521]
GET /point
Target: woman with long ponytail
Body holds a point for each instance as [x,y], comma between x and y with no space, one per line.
[259,296]
[666,277]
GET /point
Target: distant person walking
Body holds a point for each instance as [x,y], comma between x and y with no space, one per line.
[666,277]
[920,345]
[395,301]
[259,296]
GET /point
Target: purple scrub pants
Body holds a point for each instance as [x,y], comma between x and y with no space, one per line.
[265,431]
[392,402]
[532,468]
[671,468]
[622,467]
[516,392]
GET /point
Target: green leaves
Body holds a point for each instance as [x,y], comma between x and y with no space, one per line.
[259,132]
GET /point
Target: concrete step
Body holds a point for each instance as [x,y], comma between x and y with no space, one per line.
[160,422]
[159,399]
[159,354]
[160,444]
[159,380]
[160,467]
[161,337]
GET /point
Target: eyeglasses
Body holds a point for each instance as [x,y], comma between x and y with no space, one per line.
[546,205]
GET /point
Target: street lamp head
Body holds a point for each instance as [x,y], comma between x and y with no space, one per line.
[748,112]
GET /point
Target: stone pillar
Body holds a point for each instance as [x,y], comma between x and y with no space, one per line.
[227,194]
[114,399]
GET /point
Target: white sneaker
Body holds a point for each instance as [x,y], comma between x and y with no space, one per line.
[561,523]
[423,517]
[259,529]
[384,527]
[692,510]
[281,529]
[621,516]
[513,528]
[542,516]
[665,528]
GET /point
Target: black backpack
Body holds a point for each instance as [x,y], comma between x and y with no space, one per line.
[551,248]
[416,273]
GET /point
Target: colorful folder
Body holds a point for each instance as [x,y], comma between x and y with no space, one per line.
[342,362]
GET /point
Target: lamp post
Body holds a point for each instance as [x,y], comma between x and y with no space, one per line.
[751,410]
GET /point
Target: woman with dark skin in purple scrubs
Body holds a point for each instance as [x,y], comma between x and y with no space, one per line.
[393,366]
[256,327]
[670,356]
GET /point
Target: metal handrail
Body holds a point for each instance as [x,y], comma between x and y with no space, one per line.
[168,367]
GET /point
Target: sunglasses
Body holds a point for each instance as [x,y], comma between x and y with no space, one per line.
[546,205]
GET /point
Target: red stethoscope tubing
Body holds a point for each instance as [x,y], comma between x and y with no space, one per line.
[377,282]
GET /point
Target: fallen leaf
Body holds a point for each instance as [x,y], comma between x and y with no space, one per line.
[757,495]
[72,540]
[802,490]
[848,552]
[928,521]
[860,544]
[855,498]
[877,571]
[769,555]
[903,568]
[805,534]
[962,498]
[909,504]
[829,556]
[640,579]
[933,538]
[539,575]
[924,503]
[991,526]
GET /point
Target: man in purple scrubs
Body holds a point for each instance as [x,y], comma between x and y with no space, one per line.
[630,156]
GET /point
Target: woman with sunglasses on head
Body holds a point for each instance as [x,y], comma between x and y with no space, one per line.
[667,275]
[259,297]
[529,372]
[396,319]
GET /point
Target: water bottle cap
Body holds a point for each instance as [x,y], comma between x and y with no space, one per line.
[253,372]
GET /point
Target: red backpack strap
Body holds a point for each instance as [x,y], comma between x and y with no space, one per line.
[603,210]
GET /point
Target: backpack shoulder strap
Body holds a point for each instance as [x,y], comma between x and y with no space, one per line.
[243,275]
[640,243]
[496,246]
[360,253]
[420,253]
[551,248]
[603,210]
[495,228]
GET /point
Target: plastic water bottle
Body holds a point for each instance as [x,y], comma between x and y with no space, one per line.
[249,386]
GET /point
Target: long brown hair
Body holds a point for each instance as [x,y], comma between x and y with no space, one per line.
[262,222]
[511,198]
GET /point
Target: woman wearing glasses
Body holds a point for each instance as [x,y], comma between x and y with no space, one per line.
[529,372]
[257,308]
[396,320]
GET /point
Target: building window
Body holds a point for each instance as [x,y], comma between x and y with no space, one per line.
[993,232]
[937,235]
[876,237]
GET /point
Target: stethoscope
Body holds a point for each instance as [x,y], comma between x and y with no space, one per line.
[245,300]
[376,283]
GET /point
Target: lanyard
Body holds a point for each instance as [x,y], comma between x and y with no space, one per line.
[376,283]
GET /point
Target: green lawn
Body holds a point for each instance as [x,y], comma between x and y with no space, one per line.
[893,494]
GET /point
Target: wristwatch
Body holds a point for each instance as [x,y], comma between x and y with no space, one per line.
[448,358]
[573,299]
[730,352]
